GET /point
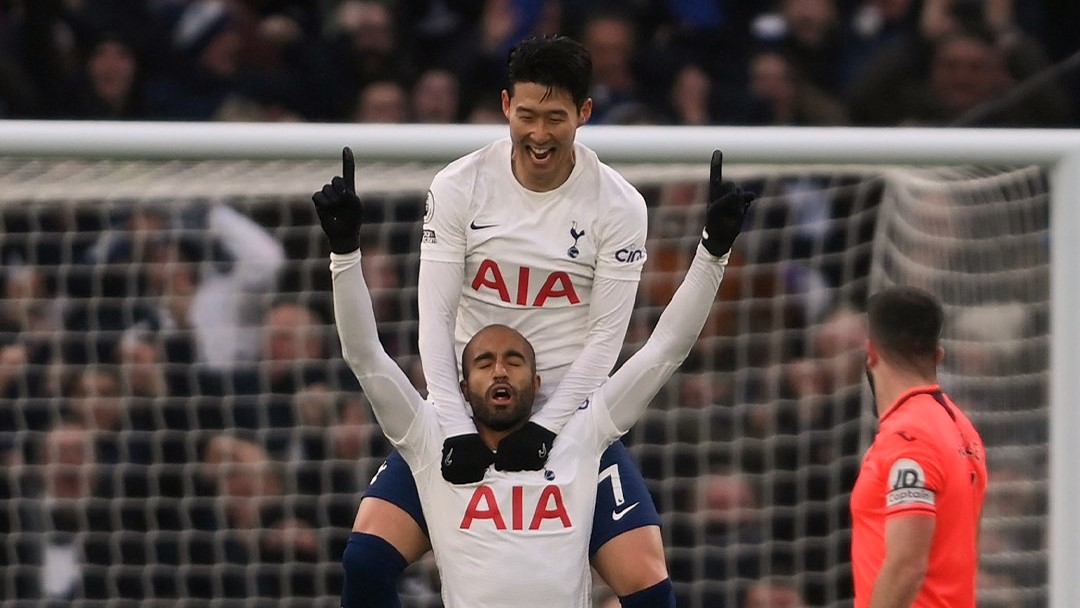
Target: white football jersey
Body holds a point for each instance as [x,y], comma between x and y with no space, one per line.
[517,538]
[531,257]
[541,518]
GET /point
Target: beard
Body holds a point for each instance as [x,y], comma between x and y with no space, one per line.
[503,418]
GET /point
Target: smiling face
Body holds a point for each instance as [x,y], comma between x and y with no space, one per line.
[543,124]
[500,382]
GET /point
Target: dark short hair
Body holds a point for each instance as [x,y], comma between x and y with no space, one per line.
[905,325]
[556,62]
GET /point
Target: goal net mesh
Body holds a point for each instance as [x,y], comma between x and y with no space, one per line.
[177,427]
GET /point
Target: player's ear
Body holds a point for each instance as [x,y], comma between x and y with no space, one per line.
[464,386]
[506,103]
[939,355]
[871,354]
[585,112]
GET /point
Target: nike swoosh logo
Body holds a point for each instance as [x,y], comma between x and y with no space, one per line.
[475,227]
[619,514]
[584,406]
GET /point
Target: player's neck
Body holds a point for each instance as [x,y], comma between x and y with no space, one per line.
[540,182]
[892,385]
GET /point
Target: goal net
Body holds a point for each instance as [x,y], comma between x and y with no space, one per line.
[980,240]
[177,426]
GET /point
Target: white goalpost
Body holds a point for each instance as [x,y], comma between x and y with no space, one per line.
[988,219]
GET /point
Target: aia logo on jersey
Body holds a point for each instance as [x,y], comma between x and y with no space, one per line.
[557,285]
[485,510]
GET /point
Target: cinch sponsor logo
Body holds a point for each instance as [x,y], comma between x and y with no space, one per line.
[629,256]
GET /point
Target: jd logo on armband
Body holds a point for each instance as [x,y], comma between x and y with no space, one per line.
[908,482]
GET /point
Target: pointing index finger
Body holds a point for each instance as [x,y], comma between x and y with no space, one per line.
[348,168]
[715,174]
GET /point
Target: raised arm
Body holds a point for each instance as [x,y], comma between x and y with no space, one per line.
[393,398]
[257,255]
[630,389]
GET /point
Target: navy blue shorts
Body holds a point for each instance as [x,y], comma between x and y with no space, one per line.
[623,502]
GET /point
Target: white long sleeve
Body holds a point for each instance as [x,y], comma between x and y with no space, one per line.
[439,292]
[257,255]
[630,389]
[226,312]
[609,315]
[393,398]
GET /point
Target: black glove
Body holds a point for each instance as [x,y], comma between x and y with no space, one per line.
[465,458]
[727,208]
[339,208]
[526,449]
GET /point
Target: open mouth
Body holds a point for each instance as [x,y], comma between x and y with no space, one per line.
[539,154]
[501,394]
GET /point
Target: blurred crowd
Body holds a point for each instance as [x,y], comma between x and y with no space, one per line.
[170,418]
[675,62]
[176,420]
